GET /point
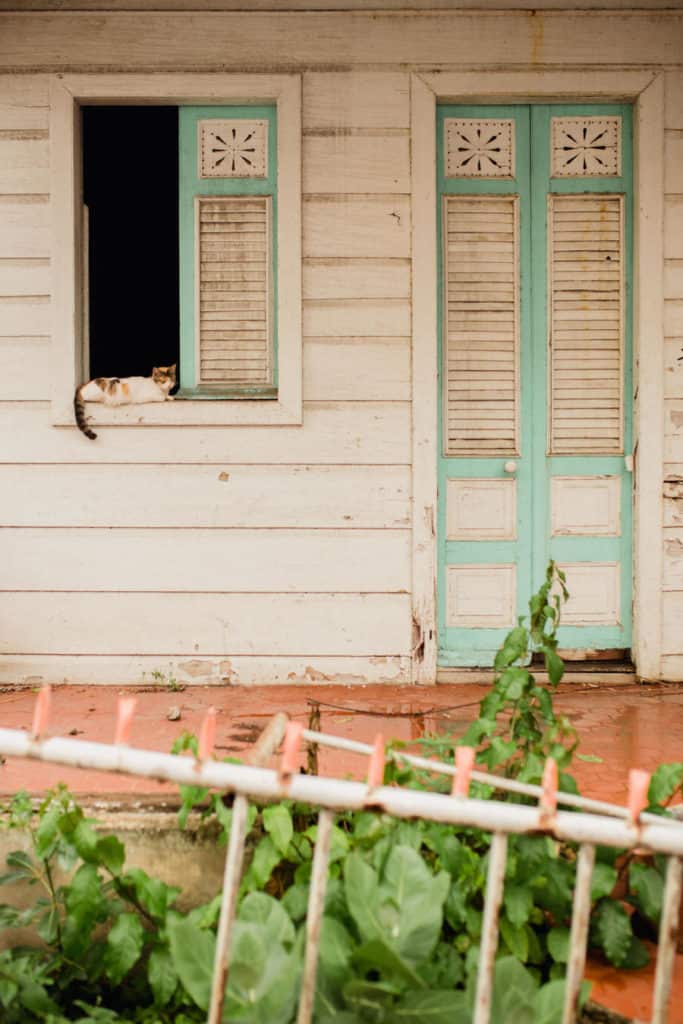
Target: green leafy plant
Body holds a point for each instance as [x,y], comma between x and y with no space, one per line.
[403,914]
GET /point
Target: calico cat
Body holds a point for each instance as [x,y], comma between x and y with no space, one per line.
[123,391]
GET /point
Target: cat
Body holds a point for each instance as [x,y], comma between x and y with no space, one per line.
[123,391]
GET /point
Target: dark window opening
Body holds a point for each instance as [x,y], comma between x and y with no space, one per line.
[130,186]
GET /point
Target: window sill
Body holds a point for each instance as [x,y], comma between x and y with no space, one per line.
[185,412]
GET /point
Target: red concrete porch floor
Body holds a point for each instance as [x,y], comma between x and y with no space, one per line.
[627,726]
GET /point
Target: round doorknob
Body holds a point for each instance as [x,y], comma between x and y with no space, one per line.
[510,467]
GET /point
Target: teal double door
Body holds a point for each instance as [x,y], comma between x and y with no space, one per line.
[535,240]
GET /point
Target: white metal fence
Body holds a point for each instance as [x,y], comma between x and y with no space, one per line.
[591,823]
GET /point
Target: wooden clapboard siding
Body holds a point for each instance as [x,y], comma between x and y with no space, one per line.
[672,617]
[24,102]
[351,226]
[356,163]
[586,323]
[673,228]
[234,290]
[318,39]
[357,99]
[361,433]
[673,162]
[24,166]
[24,368]
[673,553]
[24,226]
[27,315]
[361,317]
[215,560]
[205,624]
[24,276]
[481,324]
[673,279]
[673,104]
[199,497]
[349,278]
[239,669]
[358,368]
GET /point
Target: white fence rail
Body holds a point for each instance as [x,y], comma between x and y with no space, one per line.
[593,823]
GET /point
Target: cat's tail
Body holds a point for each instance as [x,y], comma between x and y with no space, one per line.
[79,413]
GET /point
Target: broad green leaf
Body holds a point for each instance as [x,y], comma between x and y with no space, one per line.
[34,997]
[411,903]
[554,667]
[295,901]
[499,750]
[558,944]
[446,1007]
[637,955]
[123,947]
[262,909]
[519,903]
[647,885]
[192,950]
[47,831]
[361,887]
[111,852]
[612,927]
[153,894]
[336,947]
[665,781]
[266,858]
[277,821]
[515,938]
[374,997]
[162,976]
[86,905]
[378,955]
[514,989]
[8,991]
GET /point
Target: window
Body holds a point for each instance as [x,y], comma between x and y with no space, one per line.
[235,314]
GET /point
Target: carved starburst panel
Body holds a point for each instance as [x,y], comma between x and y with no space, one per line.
[233,148]
[479,148]
[586,147]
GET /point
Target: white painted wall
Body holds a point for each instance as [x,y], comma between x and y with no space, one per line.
[265,554]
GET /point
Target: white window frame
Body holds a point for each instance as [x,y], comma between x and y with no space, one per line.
[646,90]
[67,94]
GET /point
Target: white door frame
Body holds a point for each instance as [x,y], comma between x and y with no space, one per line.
[646,90]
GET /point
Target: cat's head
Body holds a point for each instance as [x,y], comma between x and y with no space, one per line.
[164,376]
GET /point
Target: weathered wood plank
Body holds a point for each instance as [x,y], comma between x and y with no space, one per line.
[24,315]
[356,99]
[357,227]
[25,277]
[673,552]
[198,625]
[331,318]
[673,229]
[673,103]
[24,102]
[24,368]
[672,617]
[340,433]
[673,318]
[24,166]
[354,279]
[673,279]
[672,667]
[227,561]
[673,369]
[357,368]
[356,164]
[673,162]
[185,40]
[196,497]
[242,669]
[24,228]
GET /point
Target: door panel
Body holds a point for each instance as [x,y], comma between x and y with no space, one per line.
[534,371]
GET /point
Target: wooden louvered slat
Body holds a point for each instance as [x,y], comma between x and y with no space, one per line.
[234,303]
[585,237]
[481,325]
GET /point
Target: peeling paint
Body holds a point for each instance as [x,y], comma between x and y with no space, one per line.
[227,672]
[676,418]
[674,547]
[196,668]
[223,477]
